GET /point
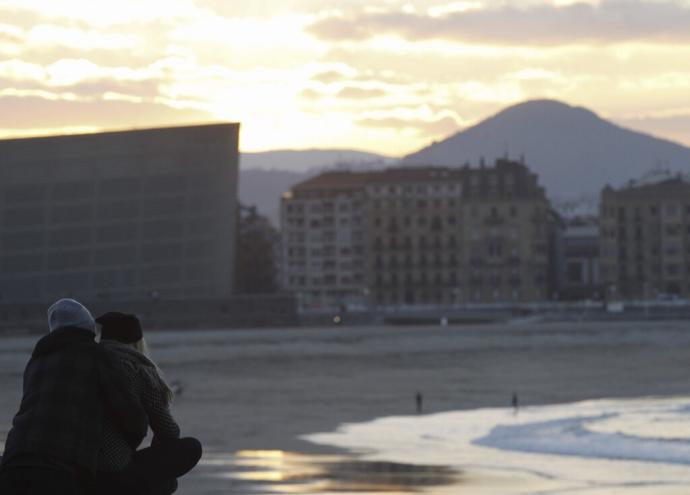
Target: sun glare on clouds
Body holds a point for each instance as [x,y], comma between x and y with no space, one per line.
[388,76]
[101,14]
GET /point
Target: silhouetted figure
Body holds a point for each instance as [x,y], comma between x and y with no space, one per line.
[515,403]
[155,469]
[419,399]
[53,444]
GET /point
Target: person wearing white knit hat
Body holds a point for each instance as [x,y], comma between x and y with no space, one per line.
[56,435]
[70,313]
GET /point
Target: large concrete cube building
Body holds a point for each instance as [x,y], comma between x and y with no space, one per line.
[133,215]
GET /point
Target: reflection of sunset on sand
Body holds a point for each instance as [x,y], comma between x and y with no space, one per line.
[289,472]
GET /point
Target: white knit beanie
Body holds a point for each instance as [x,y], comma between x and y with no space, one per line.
[70,313]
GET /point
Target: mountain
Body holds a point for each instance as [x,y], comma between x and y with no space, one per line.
[264,187]
[574,151]
[305,160]
[265,176]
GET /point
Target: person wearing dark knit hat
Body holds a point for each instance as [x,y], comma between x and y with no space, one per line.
[154,469]
[121,327]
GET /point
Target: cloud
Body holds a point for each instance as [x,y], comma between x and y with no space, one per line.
[9,33]
[35,112]
[330,76]
[85,39]
[608,22]
[443,126]
[100,14]
[79,78]
[437,65]
[674,125]
[346,93]
[87,90]
[356,93]
[311,94]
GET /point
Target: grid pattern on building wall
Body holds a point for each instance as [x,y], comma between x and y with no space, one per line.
[126,215]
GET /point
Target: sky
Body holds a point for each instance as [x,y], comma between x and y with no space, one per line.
[379,75]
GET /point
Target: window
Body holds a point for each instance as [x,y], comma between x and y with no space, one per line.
[121,255]
[160,252]
[574,272]
[32,193]
[165,274]
[73,190]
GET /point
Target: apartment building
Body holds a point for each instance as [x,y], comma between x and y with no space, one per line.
[463,235]
[422,235]
[324,243]
[645,239]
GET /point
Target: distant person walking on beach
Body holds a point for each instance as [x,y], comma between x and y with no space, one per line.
[515,403]
[419,400]
[52,447]
[155,469]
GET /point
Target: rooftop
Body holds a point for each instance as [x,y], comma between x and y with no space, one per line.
[342,180]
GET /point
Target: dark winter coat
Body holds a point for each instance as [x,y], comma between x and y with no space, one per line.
[145,383]
[68,383]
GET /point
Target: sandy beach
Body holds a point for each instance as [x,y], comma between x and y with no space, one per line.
[260,390]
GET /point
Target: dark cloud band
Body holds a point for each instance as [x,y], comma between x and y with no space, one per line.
[608,22]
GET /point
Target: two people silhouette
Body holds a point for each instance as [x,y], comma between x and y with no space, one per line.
[85,410]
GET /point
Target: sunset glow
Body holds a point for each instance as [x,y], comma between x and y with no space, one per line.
[387,76]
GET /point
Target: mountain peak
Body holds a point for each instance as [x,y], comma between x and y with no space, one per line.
[546,111]
[541,104]
[573,150]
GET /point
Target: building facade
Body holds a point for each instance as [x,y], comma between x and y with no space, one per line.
[645,240]
[324,244]
[579,277]
[426,235]
[133,215]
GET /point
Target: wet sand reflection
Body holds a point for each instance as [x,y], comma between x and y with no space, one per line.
[276,471]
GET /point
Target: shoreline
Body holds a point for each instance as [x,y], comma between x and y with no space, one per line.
[600,446]
[262,390]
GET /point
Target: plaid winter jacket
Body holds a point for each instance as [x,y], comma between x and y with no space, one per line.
[67,385]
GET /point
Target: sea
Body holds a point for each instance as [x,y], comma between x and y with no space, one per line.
[631,447]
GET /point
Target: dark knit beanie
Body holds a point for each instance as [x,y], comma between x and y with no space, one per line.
[121,327]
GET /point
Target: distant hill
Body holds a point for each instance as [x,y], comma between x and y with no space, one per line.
[305,160]
[574,151]
[265,176]
[263,188]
